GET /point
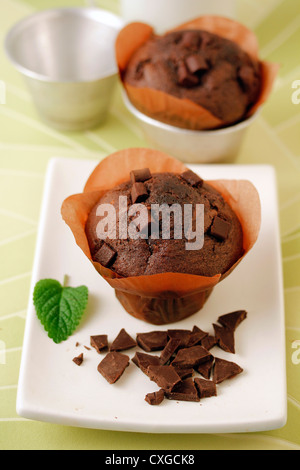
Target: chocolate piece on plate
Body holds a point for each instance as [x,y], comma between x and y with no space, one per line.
[99,342]
[105,255]
[233,320]
[170,348]
[184,373]
[224,370]
[191,357]
[184,391]
[225,338]
[206,388]
[152,341]
[155,398]
[206,368]
[182,335]
[165,377]
[208,342]
[196,337]
[139,193]
[140,176]
[78,360]
[113,366]
[220,228]
[143,361]
[122,342]
[191,178]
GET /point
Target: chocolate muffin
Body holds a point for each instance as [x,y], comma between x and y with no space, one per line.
[202,67]
[223,235]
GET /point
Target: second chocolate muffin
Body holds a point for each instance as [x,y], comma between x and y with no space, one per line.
[223,239]
[202,67]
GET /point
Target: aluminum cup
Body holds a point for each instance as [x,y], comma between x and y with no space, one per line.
[67,58]
[189,146]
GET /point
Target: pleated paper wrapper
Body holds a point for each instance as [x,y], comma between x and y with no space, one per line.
[168,297]
[181,112]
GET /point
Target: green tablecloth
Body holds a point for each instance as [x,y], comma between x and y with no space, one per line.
[26,145]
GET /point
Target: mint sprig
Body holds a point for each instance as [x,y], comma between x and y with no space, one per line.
[59,308]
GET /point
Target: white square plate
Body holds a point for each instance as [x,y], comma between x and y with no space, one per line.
[53,389]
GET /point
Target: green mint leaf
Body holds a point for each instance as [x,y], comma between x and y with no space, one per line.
[59,308]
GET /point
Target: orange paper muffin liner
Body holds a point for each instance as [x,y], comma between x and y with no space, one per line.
[168,297]
[184,113]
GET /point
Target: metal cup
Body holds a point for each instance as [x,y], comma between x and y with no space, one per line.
[67,58]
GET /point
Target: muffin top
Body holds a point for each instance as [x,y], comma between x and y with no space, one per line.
[202,67]
[157,253]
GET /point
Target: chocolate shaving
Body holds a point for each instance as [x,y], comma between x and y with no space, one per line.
[99,342]
[224,370]
[206,388]
[165,377]
[155,398]
[143,361]
[184,391]
[170,348]
[191,357]
[233,320]
[225,338]
[113,366]
[196,63]
[78,360]
[122,342]
[152,341]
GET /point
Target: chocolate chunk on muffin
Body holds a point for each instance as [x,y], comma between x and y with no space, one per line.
[200,66]
[152,255]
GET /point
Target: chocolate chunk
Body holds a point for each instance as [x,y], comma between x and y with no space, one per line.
[122,342]
[196,337]
[113,366]
[170,348]
[191,178]
[206,368]
[184,391]
[209,342]
[143,361]
[184,77]
[78,360]
[99,342]
[165,377]
[140,176]
[224,370]
[182,335]
[184,373]
[191,357]
[233,320]
[196,63]
[105,255]
[152,341]
[225,338]
[155,398]
[139,193]
[220,228]
[206,388]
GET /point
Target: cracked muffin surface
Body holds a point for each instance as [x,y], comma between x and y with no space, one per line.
[223,236]
[202,67]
